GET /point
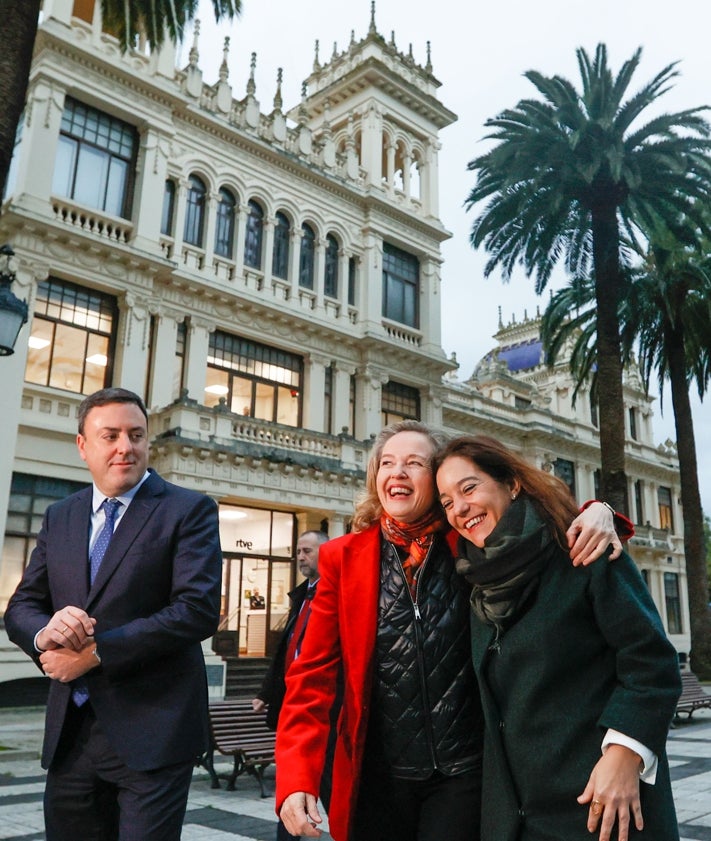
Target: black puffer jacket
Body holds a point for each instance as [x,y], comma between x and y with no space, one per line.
[426,713]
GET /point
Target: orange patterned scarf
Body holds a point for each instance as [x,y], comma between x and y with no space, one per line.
[416,537]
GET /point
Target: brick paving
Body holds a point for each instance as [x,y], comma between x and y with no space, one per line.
[242,815]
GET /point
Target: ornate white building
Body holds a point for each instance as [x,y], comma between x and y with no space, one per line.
[270,282]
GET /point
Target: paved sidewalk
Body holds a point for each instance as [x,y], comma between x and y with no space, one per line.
[242,815]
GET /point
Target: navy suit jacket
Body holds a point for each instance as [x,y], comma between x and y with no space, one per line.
[155,598]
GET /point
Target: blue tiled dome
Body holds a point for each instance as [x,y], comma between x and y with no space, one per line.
[521,356]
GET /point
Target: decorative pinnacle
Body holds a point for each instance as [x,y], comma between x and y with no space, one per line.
[317,64]
[428,66]
[303,113]
[194,55]
[372,28]
[224,69]
[335,50]
[278,102]
[251,84]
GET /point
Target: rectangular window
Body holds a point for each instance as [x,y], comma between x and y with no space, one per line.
[593,411]
[30,496]
[95,161]
[328,399]
[565,470]
[664,499]
[181,341]
[399,402]
[72,338]
[253,379]
[639,500]
[351,281]
[401,281]
[673,602]
[352,404]
[633,424]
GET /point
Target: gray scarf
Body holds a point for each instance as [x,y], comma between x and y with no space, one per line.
[505,573]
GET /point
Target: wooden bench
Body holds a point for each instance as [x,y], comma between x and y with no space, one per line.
[693,696]
[238,731]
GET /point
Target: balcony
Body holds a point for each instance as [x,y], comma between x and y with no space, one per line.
[220,434]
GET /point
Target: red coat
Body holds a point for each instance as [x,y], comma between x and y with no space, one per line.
[341,631]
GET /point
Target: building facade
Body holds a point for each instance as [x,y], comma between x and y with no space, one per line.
[269,281]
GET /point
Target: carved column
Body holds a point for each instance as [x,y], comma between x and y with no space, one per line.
[341,398]
[163,390]
[369,388]
[315,376]
[38,148]
[132,345]
[196,361]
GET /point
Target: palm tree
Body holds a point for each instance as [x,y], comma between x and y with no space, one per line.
[126,18]
[568,173]
[665,316]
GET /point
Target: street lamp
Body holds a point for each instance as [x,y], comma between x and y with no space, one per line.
[13,311]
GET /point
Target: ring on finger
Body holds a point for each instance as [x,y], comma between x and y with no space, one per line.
[64,630]
[596,807]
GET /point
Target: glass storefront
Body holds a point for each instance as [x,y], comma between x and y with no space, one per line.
[258,549]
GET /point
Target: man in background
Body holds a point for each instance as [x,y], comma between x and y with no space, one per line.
[121,589]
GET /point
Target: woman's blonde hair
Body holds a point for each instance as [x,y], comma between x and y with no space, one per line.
[547,492]
[368,508]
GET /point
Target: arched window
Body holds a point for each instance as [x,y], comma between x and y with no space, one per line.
[166,219]
[306,257]
[195,211]
[280,257]
[253,236]
[330,280]
[225,223]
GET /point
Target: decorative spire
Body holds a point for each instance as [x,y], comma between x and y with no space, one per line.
[335,51]
[326,125]
[278,102]
[372,30]
[501,323]
[224,70]
[352,44]
[392,39]
[194,55]
[428,66]
[303,113]
[410,56]
[317,63]
[251,84]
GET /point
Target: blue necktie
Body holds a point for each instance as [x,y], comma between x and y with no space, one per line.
[80,693]
[111,507]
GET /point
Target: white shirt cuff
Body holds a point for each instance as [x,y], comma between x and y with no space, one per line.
[648,774]
[34,641]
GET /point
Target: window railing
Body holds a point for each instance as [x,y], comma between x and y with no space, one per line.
[92,222]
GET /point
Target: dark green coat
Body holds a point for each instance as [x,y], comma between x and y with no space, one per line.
[589,654]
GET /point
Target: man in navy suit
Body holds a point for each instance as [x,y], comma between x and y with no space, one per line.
[121,589]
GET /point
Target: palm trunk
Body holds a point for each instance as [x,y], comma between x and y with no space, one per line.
[21,17]
[694,539]
[608,282]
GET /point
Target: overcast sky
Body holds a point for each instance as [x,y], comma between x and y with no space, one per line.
[479,53]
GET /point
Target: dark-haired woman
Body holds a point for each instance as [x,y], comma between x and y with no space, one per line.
[578,680]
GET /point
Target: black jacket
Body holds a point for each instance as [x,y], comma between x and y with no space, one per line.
[426,713]
[273,687]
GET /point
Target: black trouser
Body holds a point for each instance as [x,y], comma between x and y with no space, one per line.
[392,809]
[91,795]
